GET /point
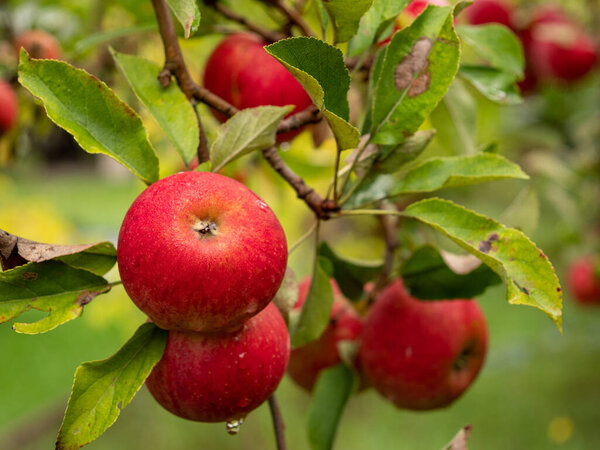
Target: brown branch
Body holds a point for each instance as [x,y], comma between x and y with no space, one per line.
[292,14]
[389,226]
[268,35]
[298,120]
[278,424]
[175,66]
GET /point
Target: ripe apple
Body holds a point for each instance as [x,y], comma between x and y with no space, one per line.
[39,44]
[584,281]
[422,354]
[240,71]
[307,361]
[198,251]
[491,11]
[561,51]
[217,377]
[8,106]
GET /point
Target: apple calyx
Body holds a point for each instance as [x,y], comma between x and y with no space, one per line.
[205,228]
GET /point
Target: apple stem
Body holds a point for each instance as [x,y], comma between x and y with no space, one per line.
[278,424]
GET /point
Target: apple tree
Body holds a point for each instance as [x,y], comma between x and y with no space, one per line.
[265,84]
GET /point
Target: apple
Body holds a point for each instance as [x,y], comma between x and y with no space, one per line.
[39,44]
[199,251]
[561,51]
[421,354]
[490,11]
[584,281]
[217,377]
[307,361]
[240,71]
[8,106]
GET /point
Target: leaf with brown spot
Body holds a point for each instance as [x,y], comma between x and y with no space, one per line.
[16,251]
[51,286]
[415,72]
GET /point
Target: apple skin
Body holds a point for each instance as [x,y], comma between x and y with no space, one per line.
[240,71]
[422,355]
[490,11]
[199,251]
[584,281]
[39,44]
[8,106]
[216,377]
[307,361]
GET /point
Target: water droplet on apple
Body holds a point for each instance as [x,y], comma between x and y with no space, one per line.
[245,401]
[261,204]
[233,426]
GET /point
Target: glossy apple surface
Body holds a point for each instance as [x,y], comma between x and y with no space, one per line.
[240,71]
[584,282]
[422,354]
[307,361]
[8,106]
[199,251]
[39,44]
[218,377]
[490,11]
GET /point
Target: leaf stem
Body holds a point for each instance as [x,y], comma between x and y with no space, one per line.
[278,424]
[303,238]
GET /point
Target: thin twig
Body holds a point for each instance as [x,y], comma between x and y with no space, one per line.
[304,237]
[293,15]
[389,225]
[278,424]
[268,35]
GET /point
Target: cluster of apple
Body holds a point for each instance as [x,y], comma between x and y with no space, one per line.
[584,281]
[39,44]
[557,47]
[203,256]
[418,354]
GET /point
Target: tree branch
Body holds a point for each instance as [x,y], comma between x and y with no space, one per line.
[268,35]
[278,424]
[293,15]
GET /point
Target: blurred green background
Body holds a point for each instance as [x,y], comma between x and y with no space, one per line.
[538,389]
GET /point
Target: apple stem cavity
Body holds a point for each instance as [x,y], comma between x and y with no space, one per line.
[205,227]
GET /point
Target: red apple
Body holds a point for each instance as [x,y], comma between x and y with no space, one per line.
[39,44]
[217,377]
[307,361]
[584,281]
[240,71]
[490,11]
[8,106]
[561,51]
[198,251]
[422,354]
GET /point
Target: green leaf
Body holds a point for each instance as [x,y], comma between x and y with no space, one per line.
[497,45]
[377,18]
[97,258]
[455,120]
[314,317]
[320,69]
[168,106]
[53,287]
[392,158]
[287,295]
[323,17]
[528,275]
[371,190]
[346,16]
[495,84]
[427,276]
[332,391]
[351,275]
[91,112]
[419,65]
[451,171]
[187,13]
[101,389]
[248,130]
